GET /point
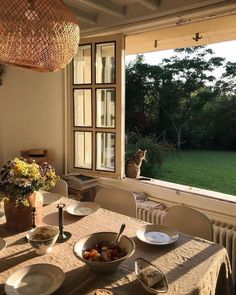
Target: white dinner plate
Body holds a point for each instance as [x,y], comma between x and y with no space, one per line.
[157,234]
[83,208]
[3,244]
[50,198]
[40,279]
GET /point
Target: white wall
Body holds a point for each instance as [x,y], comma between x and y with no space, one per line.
[31,114]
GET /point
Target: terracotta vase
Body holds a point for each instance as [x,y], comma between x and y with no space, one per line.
[19,218]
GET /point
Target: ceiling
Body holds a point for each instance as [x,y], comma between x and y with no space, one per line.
[153,25]
[103,17]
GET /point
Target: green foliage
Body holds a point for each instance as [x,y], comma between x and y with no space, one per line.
[182,85]
[157,150]
[225,124]
[214,126]
[141,103]
[182,97]
[226,85]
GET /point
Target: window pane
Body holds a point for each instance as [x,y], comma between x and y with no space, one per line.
[82,107]
[105,108]
[82,65]
[83,150]
[105,151]
[105,63]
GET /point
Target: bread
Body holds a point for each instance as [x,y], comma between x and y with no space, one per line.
[150,276]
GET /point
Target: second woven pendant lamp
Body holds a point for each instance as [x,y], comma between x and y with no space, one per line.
[42,35]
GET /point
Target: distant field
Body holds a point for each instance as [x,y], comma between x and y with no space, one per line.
[213,170]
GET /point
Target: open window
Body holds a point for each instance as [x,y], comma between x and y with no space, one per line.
[96,108]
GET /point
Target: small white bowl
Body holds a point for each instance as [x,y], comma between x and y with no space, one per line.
[42,238]
[88,242]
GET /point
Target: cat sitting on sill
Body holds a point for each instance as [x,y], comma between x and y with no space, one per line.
[133,164]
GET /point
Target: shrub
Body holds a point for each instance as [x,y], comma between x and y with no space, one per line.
[157,150]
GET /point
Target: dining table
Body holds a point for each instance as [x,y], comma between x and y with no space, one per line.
[191,265]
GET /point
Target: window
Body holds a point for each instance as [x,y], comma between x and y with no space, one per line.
[96,116]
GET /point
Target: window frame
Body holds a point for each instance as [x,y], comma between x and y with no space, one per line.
[115,60]
[91,68]
[81,126]
[105,88]
[82,168]
[118,129]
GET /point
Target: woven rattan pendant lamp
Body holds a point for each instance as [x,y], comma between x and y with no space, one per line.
[42,35]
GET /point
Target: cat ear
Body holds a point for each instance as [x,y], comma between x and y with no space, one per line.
[139,150]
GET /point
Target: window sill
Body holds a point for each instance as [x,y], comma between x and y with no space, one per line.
[217,206]
[192,190]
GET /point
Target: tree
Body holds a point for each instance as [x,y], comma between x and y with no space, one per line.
[225,123]
[181,95]
[185,85]
[140,108]
[226,85]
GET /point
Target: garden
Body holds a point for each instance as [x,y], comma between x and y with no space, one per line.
[184,115]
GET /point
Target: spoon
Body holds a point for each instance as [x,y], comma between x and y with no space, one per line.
[114,242]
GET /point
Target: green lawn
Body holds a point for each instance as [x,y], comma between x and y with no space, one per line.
[213,170]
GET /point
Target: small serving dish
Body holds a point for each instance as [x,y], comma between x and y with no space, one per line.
[42,238]
[152,278]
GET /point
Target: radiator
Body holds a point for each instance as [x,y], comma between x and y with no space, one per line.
[223,234]
[151,214]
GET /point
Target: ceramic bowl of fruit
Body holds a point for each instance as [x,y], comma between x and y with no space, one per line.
[100,252]
[42,238]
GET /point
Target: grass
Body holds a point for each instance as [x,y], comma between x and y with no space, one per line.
[213,170]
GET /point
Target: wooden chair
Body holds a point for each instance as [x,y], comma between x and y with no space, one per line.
[190,221]
[60,188]
[117,200]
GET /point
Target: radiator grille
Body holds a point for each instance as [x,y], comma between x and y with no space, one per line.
[223,234]
[152,215]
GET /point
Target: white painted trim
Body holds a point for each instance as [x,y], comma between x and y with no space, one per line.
[214,205]
[163,20]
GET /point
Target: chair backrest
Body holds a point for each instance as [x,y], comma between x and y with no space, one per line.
[190,221]
[117,200]
[61,188]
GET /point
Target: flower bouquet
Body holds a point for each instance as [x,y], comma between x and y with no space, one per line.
[19,182]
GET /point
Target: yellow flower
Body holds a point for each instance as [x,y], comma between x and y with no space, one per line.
[18,179]
[21,167]
[34,171]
